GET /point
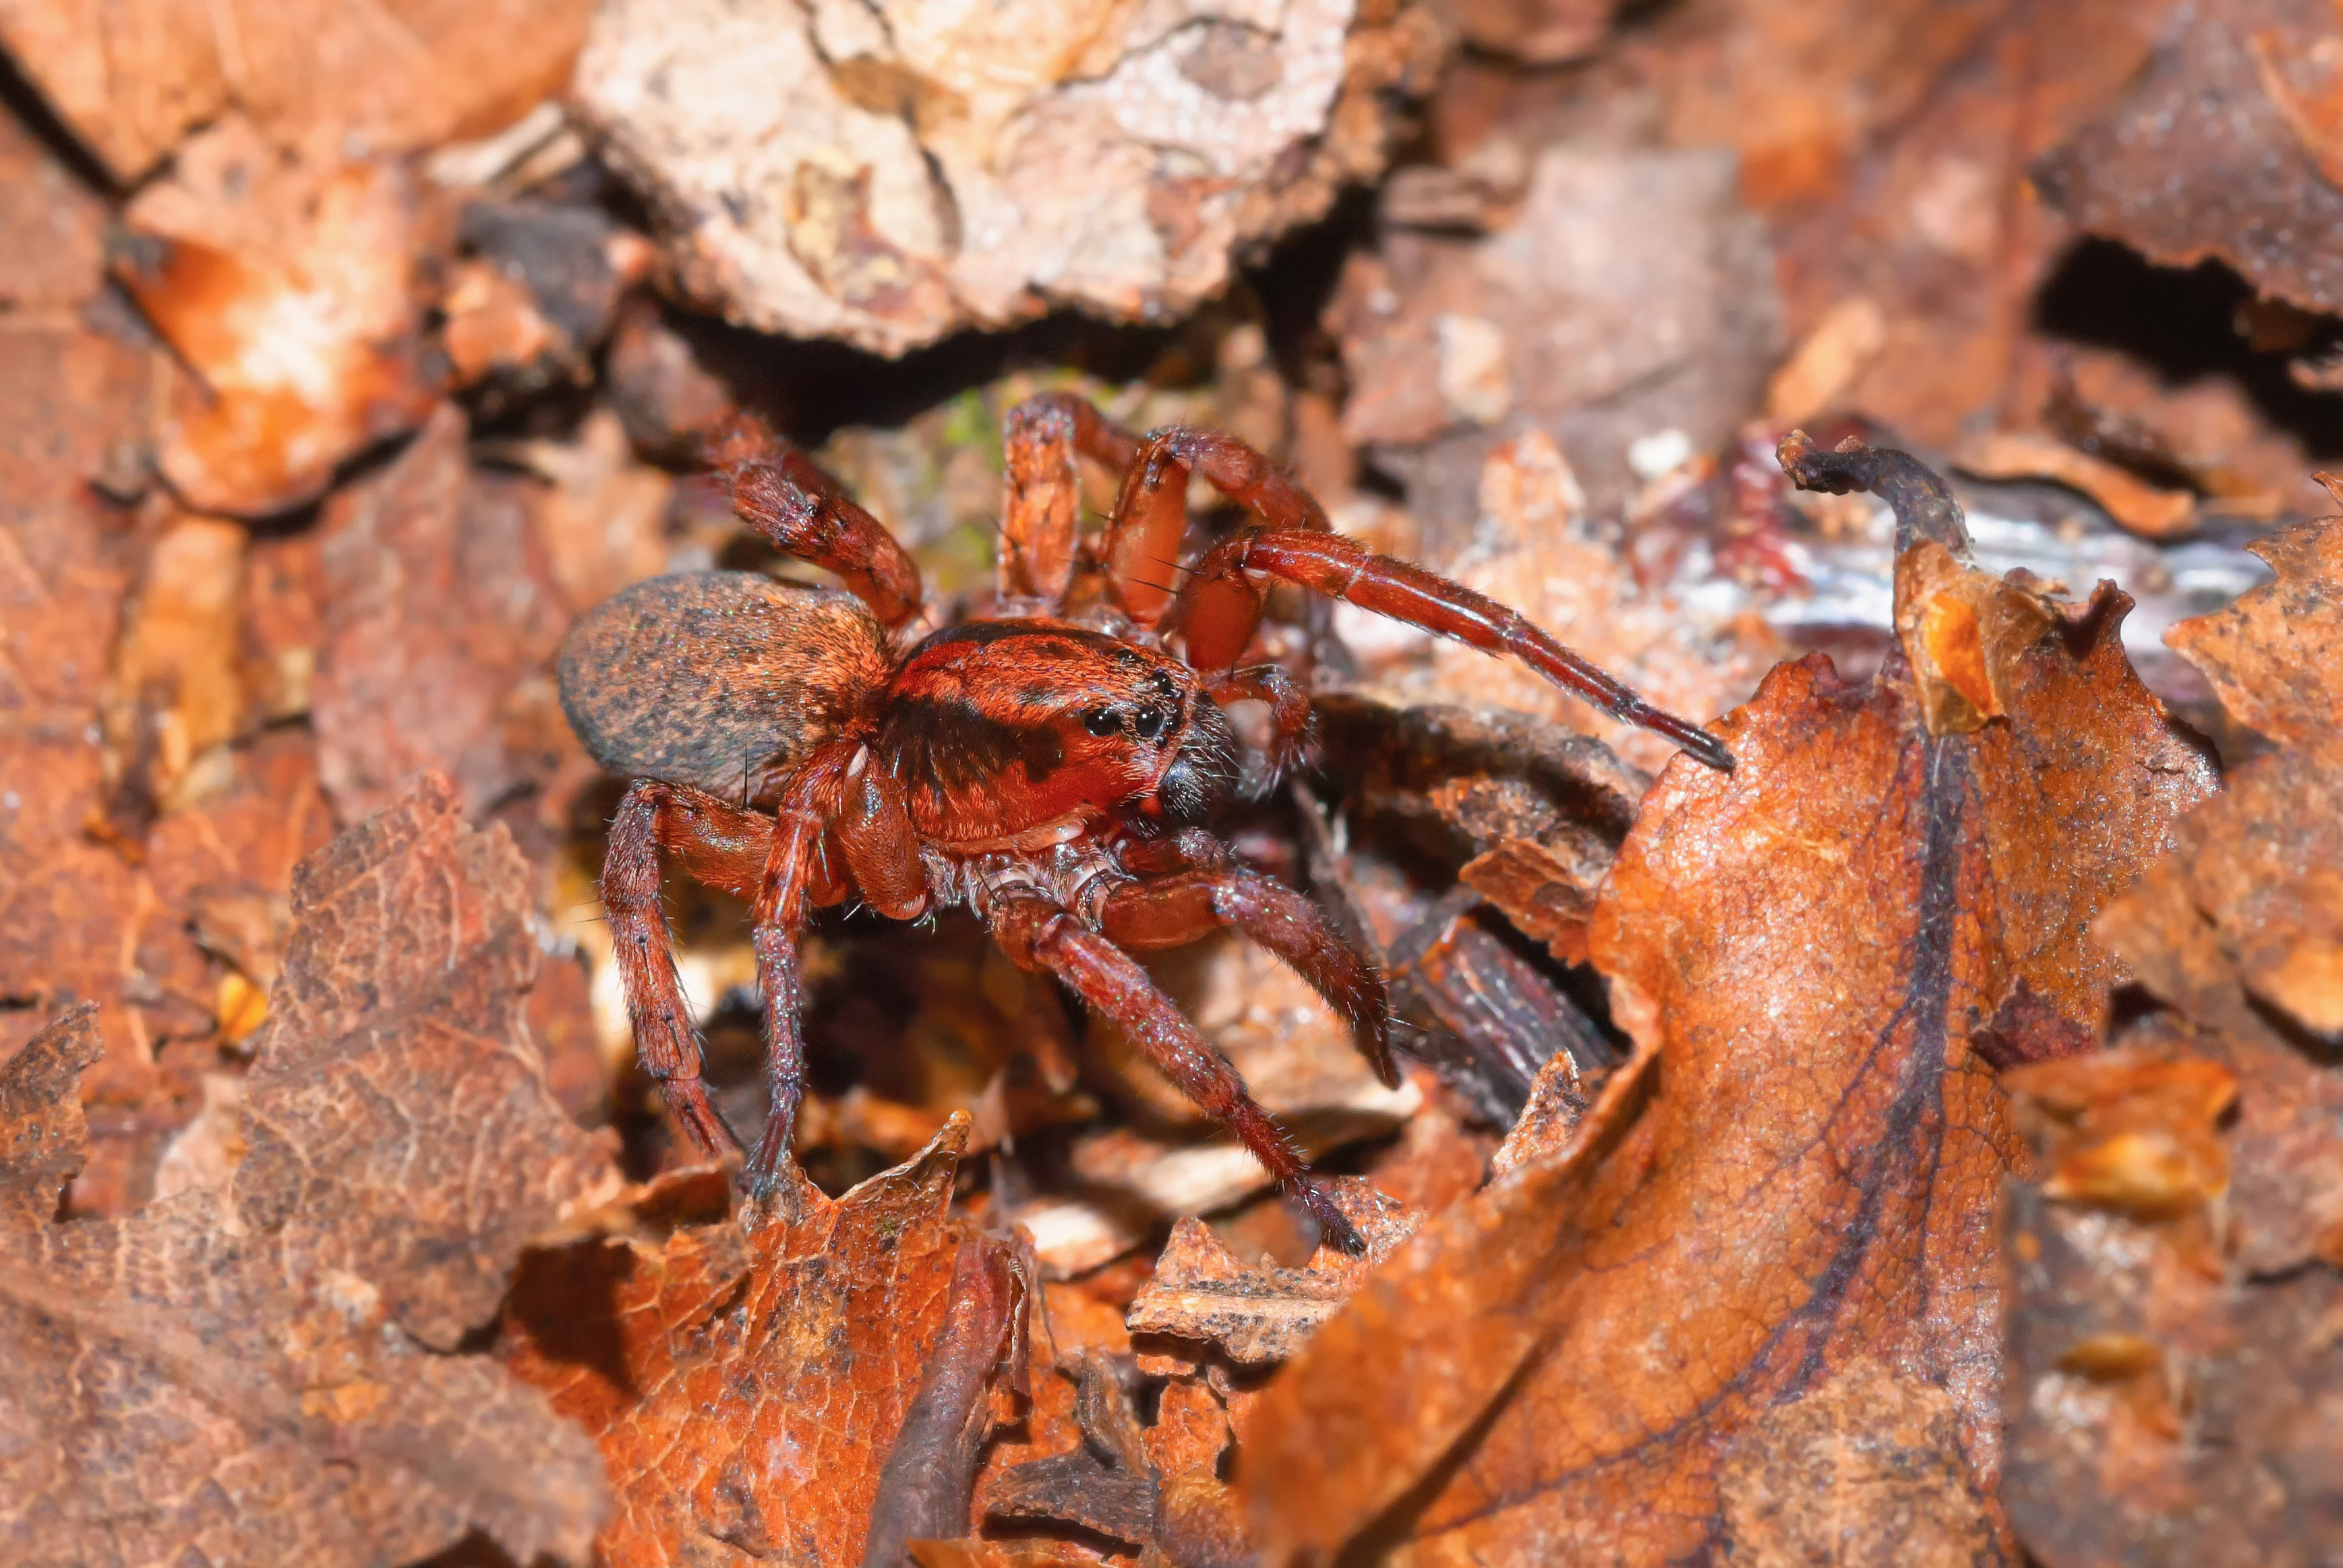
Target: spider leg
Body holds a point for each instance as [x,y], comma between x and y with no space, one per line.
[1151,516]
[1288,712]
[1171,912]
[839,791]
[1040,513]
[717,845]
[1220,607]
[788,497]
[1040,936]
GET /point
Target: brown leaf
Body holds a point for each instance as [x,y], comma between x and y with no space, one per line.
[259,1373]
[1801,949]
[746,1384]
[2202,156]
[440,617]
[286,288]
[1863,1469]
[58,224]
[130,79]
[2138,506]
[2276,655]
[72,403]
[1629,294]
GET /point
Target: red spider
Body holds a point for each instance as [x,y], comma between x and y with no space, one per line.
[1054,768]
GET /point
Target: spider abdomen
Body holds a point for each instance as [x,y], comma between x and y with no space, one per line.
[720,680]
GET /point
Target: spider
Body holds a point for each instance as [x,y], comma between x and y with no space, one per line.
[1054,767]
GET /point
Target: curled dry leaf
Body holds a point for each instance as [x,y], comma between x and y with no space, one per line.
[260,1370]
[285,287]
[746,1382]
[890,174]
[130,80]
[1797,1172]
[2146,510]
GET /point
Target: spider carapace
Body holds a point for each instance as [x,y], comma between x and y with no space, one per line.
[1055,770]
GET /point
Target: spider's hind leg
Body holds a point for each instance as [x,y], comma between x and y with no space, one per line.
[1039,935]
[650,813]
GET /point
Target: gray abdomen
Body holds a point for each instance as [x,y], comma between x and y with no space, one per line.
[718,679]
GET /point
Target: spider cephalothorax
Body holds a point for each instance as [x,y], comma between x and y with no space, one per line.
[1055,769]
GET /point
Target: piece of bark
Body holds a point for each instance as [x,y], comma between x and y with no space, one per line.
[892,174]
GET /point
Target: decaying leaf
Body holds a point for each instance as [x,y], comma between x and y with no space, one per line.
[439,619]
[2218,150]
[1801,949]
[888,174]
[2158,1410]
[2142,507]
[2276,656]
[58,225]
[286,288]
[131,79]
[747,1384]
[261,1370]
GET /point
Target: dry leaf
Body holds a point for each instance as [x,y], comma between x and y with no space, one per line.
[56,254]
[2146,510]
[2201,158]
[260,1372]
[130,79]
[1801,949]
[747,1381]
[1261,1315]
[440,618]
[1631,295]
[285,286]
[2276,656]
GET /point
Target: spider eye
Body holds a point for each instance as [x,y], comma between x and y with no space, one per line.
[1102,721]
[1152,722]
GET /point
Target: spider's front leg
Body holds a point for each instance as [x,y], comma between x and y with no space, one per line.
[1221,606]
[1040,936]
[1173,910]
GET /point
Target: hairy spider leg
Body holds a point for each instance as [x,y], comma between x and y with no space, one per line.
[717,845]
[1220,607]
[789,498]
[1174,911]
[1040,511]
[1288,711]
[1040,936]
[1151,517]
[839,790]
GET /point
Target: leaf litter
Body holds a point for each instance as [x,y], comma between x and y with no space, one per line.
[1917,1144]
